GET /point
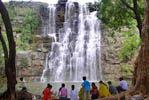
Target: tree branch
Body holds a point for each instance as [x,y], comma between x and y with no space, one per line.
[4,46]
[135,4]
[10,68]
[136,12]
[8,28]
[127,5]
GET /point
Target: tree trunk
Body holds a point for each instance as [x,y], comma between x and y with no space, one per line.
[10,68]
[141,75]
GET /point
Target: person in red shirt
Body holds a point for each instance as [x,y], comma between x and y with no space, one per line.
[48,93]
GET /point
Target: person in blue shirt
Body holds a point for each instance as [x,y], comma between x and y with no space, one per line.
[86,87]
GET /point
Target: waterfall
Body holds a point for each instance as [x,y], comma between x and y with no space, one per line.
[75,50]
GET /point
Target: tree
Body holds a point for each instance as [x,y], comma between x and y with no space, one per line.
[122,13]
[117,14]
[9,53]
[136,13]
[141,74]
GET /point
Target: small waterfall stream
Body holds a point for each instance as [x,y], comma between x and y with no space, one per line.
[75,50]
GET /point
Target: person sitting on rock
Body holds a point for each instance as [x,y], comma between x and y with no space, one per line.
[123,85]
[112,88]
[63,92]
[73,93]
[23,83]
[94,91]
[24,94]
[103,90]
[48,94]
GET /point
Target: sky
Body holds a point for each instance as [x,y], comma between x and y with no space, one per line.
[54,1]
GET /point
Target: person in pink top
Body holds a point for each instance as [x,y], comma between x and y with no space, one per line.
[63,92]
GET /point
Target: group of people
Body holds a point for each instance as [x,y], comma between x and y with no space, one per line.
[87,91]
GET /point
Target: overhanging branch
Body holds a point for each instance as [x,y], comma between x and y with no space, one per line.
[127,5]
[136,12]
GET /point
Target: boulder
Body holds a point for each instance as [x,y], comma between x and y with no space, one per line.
[24,95]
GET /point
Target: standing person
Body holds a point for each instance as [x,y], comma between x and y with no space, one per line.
[81,93]
[112,88]
[94,91]
[123,85]
[86,87]
[103,90]
[23,83]
[73,93]
[63,92]
[48,94]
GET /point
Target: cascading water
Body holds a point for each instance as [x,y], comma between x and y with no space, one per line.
[75,51]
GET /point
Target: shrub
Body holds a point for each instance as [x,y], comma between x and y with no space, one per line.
[132,42]
[24,62]
[127,70]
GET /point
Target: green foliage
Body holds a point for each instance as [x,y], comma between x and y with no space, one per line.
[1,20]
[111,34]
[42,6]
[94,6]
[31,21]
[3,85]
[116,15]
[132,42]
[18,30]
[24,62]
[26,30]
[1,55]
[1,49]
[1,82]
[11,11]
[127,70]
[21,45]
[30,25]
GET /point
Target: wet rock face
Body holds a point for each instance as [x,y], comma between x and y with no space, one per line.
[30,64]
[60,16]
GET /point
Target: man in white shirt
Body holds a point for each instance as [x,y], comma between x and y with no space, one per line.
[23,83]
[123,85]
